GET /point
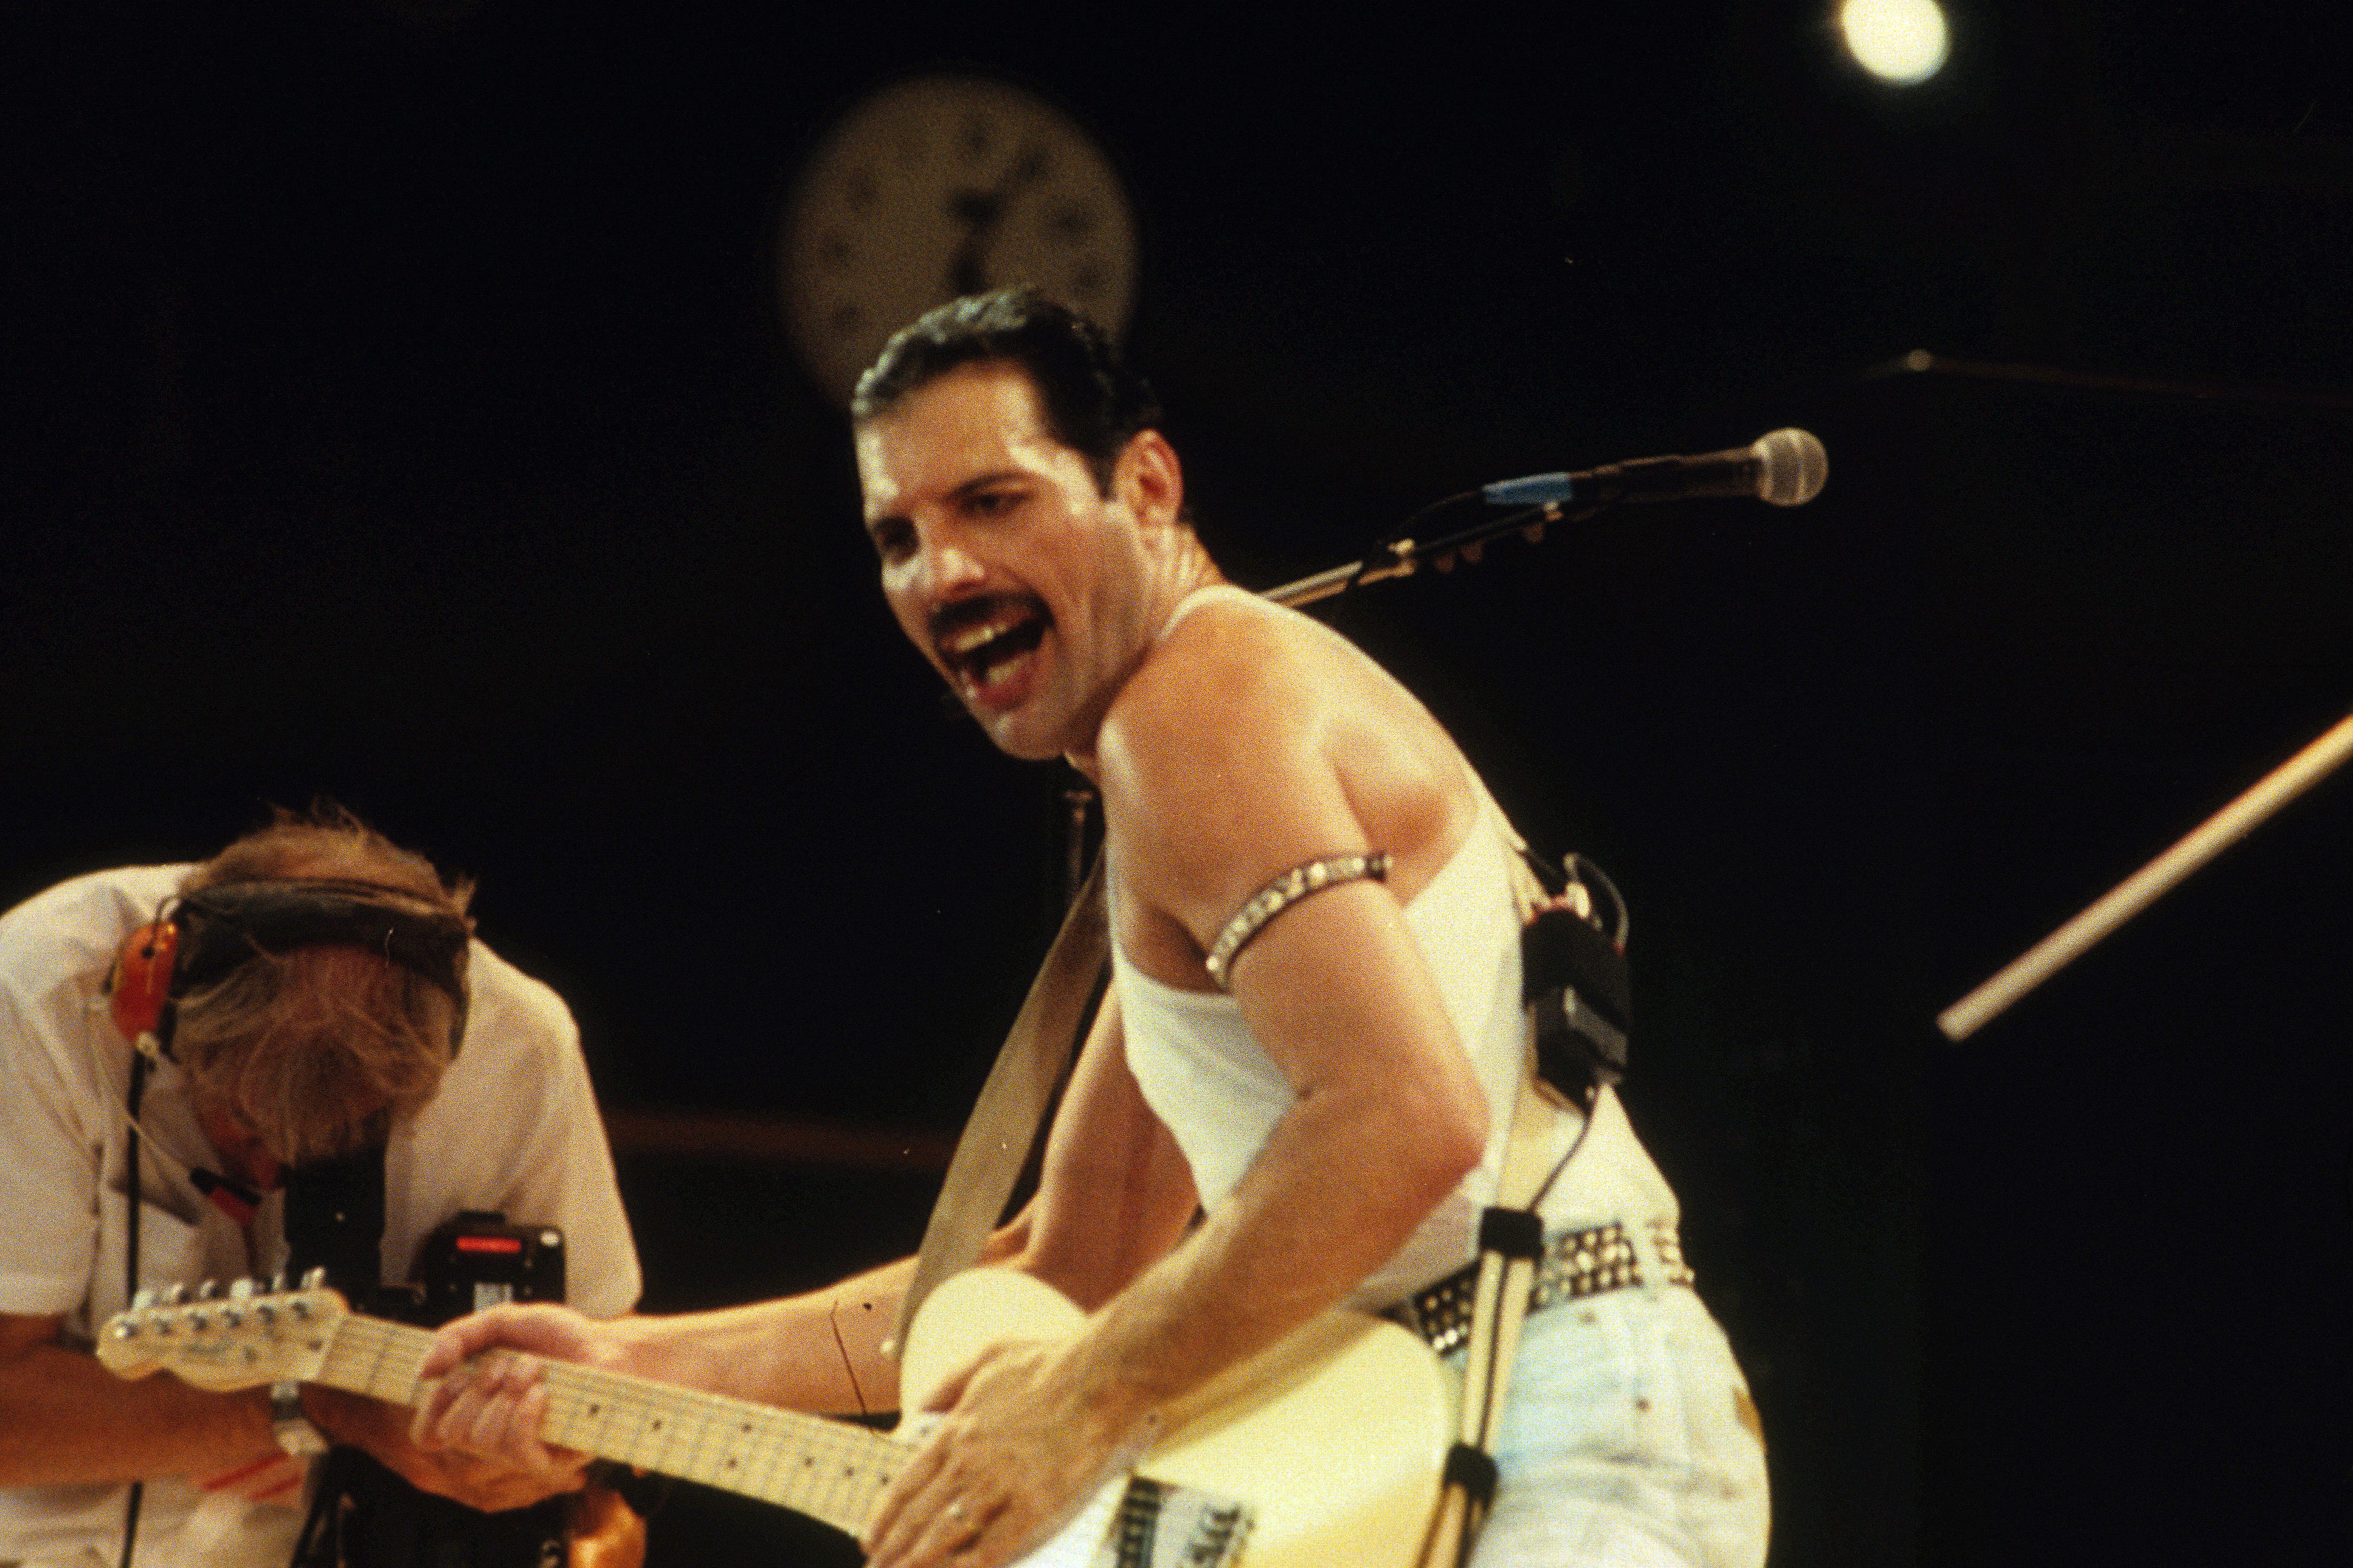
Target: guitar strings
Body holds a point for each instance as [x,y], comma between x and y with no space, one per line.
[827,1468]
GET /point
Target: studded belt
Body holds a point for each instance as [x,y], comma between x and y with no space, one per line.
[1575,1264]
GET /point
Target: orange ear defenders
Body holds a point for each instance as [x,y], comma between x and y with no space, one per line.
[140,986]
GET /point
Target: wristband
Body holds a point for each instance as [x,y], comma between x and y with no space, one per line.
[290,1426]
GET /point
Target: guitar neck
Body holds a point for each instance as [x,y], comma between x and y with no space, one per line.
[830,1470]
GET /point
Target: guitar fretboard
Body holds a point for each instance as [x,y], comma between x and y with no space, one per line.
[827,1469]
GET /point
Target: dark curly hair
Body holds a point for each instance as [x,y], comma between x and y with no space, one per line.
[1092,402]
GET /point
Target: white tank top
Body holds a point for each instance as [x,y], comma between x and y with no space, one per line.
[1207,1078]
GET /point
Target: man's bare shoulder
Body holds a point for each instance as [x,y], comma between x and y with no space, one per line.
[1254,740]
[1232,676]
[1216,770]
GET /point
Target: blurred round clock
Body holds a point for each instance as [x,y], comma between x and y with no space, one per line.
[942,186]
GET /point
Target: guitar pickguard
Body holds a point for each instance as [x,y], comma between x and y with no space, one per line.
[1160,1526]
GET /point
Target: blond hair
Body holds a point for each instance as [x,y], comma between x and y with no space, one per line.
[318,1049]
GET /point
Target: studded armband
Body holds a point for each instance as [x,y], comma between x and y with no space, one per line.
[1280,895]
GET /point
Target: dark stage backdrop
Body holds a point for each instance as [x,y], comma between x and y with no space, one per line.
[396,409]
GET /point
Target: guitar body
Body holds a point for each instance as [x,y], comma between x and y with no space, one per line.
[1334,1438]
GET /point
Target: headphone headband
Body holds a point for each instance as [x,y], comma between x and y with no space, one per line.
[230,924]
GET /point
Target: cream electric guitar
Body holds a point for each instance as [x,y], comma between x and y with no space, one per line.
[1322,1452]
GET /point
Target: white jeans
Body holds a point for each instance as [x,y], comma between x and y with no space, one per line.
[1623,1442]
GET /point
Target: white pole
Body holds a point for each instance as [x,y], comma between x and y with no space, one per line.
[2143,887]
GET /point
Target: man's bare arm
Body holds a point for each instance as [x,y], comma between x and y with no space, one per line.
[1377,1137]
[65,1419]
[1348,1174]
[1113,1195]
[1314,753]
[822,1352]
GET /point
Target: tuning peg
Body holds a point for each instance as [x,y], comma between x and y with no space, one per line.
[314,1279]
[277,1281]
[207,1290]
[144,1299]
[240,1290]
[124,1328]
[174,1295]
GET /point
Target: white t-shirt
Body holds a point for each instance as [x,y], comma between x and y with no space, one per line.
[514,1128]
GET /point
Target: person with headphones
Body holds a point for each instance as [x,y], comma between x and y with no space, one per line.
[313,994]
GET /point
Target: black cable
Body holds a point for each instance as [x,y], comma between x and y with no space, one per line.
[130,1262]
[133,1191]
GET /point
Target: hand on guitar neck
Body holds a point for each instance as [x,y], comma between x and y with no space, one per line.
[386,1431]
[994,1392]
[489,1403]
[483,1392]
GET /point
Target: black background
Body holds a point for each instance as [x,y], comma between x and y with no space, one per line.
[396,408]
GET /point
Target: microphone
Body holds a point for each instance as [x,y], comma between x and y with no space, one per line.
[1786,467]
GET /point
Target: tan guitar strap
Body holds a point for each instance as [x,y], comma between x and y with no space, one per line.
[1004,1119]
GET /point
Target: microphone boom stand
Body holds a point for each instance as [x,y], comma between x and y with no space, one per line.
[1403,557]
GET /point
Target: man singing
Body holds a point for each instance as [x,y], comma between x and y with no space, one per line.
[1328,1083]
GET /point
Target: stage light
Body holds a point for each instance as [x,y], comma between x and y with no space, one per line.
[1899,41]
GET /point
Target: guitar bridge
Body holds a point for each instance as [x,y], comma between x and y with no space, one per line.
[1163,1526]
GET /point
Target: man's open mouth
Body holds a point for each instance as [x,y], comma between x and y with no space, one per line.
[983,644]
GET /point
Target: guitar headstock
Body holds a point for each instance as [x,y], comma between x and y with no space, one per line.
[239,1339]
